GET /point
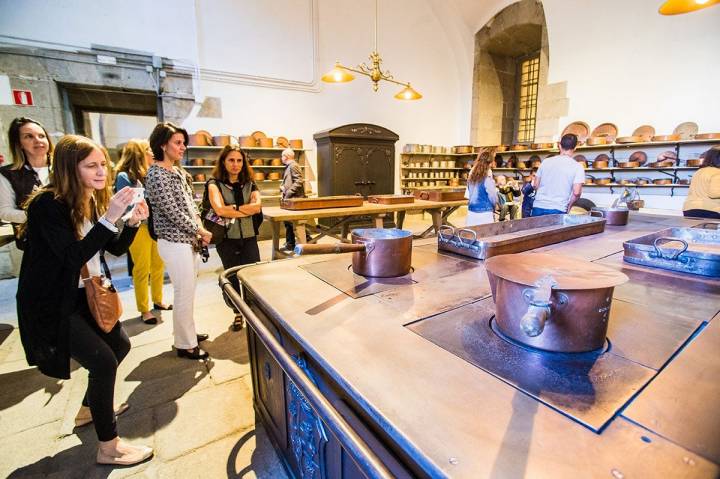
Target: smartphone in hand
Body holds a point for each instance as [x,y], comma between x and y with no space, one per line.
[138,196]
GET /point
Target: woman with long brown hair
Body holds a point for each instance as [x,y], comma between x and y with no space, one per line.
[31,151]
[481,192]
[69,223]
[130,171]
[234,197]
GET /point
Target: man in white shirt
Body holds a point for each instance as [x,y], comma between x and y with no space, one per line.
[558,181]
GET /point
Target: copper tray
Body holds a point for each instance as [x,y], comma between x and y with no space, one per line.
[485,241]
[439,195]
[579,129]
[687,250]
[321,202]
[391,199]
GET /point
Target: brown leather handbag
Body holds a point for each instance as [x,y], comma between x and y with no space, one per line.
[102,297]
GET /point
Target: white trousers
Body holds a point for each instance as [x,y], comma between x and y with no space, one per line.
[478,218]
[182,265]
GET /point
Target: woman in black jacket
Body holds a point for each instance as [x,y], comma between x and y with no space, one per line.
[69,223]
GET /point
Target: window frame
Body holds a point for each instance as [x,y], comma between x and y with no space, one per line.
[519,61]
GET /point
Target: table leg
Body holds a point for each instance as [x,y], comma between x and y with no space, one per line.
[344,231]
[275,239]
[299,232]
[379,221]
[400,219]
[437,217]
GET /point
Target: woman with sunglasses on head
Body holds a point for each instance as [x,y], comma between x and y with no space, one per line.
[69,223]
[234,196]
[130,171]
[176,222]
[31,151]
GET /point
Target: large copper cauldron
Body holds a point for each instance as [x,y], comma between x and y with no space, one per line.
[550,302]
[377,252]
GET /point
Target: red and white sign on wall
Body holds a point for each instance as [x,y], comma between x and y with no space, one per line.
[23,97]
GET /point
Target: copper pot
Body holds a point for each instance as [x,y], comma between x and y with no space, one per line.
[551,302]
[684,181]
[259,176]
[597,140]
[613,216]
[542,146]
[629,139]
[222,140]
[462,149]
[296,144]
[274,175]
[626,182]
[662,181]
[265,142]
[635,204]
[276,162]
[694,162]
[663,164]
[600,164]
[639,156]
[258,162]
[248,142]
[197,161]
[519,147]
[589,180]
[707,136]
[501,148]
[199,178]
[628,164]
[200,138]
[642,181]
[282,142]
[666,138]
[603,181]
[582,163]
[377,252]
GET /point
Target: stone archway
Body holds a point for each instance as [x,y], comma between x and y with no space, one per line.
[515,32]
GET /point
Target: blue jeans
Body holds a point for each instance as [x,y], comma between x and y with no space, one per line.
[543,212]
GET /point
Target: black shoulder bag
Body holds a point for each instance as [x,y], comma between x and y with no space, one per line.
[211,221]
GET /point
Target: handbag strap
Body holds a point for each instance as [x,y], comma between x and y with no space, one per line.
[85,273]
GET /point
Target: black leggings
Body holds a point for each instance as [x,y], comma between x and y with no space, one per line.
[702,214]
[99,353]
[236,252]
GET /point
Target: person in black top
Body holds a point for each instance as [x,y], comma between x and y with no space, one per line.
[31,150]
[235,198]
[69,223]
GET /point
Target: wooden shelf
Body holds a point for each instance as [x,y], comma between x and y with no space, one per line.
[431,187]
[247,148]
[431,168]
[439,154]
[615,185]
[431,179]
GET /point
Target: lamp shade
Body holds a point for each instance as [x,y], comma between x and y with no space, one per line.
[676,7]
[338,75]
[408,93]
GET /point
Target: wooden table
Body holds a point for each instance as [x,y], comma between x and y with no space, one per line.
[439,210]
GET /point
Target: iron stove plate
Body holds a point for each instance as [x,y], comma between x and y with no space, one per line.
[589,388]
[426,266]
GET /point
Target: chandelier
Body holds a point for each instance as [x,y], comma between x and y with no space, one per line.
[674,7]
[341,74]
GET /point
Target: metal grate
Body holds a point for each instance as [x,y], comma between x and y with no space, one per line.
[529,74]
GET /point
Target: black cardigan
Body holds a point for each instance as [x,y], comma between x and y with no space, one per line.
[49,278]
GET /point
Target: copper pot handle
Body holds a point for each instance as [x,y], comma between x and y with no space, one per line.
[444,228]
[597,213]
[658,253]
[464,240]
[373,200]
[333,248]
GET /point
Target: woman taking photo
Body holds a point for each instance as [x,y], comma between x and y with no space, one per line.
[481,192]
[703,199]
[130,171]
[31,150]
[68,224]
[234,196]
[176,223]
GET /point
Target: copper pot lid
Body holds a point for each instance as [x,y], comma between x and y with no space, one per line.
[687,130]
[645,131]
[602,157]
[607,130]
[579,129]
[639,156]
[282,142]
[568,273]
[580,158]
[667,155]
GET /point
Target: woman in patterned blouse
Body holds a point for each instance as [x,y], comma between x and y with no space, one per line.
[176,222]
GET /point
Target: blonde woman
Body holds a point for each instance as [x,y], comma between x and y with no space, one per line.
[481,192]
[69,223]
[130,171]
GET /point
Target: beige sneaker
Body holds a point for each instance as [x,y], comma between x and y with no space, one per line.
[120,453]
[84,417]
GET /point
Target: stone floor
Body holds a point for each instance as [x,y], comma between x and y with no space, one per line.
[197,415]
